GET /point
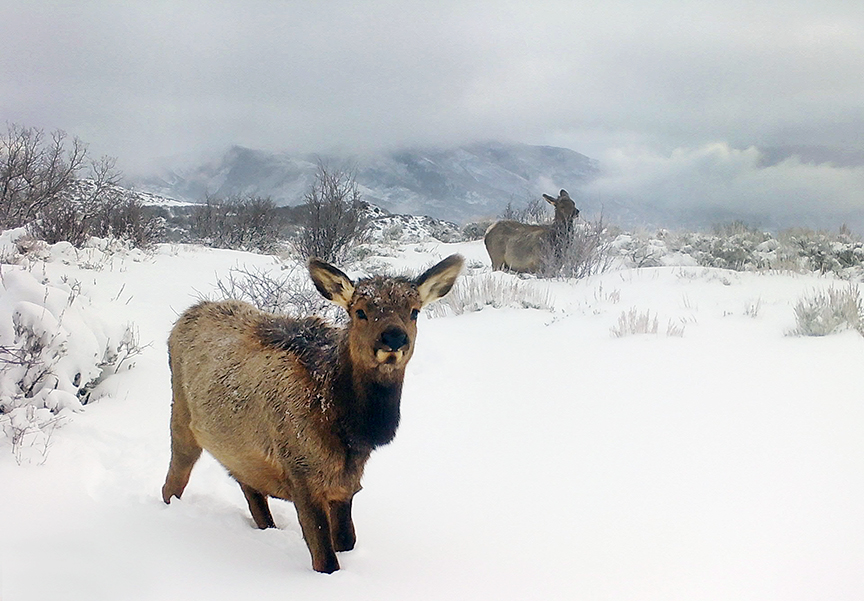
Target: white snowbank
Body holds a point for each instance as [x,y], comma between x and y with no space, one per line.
[539,456]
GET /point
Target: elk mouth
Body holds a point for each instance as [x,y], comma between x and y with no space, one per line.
[388,356]
[391,347]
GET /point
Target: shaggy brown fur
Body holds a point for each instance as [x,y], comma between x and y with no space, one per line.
[521,247]
[294,407]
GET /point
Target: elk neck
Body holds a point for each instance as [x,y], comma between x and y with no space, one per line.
[369,406]
[560,232]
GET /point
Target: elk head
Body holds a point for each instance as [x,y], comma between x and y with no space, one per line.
[383,312]
[565,208]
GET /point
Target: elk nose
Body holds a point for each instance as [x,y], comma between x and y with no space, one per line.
[394,338]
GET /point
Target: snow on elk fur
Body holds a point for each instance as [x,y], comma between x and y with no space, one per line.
[293,407]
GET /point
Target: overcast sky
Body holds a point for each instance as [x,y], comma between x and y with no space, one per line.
[655,90]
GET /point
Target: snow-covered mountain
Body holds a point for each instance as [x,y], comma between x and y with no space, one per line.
[457,184]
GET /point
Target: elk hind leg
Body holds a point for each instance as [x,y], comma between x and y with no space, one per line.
[185,450]
[342,526]
[258,506]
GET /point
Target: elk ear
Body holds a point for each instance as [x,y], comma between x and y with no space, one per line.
[549,199]
[437,281]
[333,285]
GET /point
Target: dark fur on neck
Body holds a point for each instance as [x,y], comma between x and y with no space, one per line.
[370,409]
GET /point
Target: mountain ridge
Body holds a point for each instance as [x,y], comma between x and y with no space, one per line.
[458,184]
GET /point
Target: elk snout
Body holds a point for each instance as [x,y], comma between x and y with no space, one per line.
[393,339]
[392,345]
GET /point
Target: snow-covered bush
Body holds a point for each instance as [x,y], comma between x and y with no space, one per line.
[406,229]
[740,247]
[840,253]
[54,350]
[639,249]
[733,246]
[829,312]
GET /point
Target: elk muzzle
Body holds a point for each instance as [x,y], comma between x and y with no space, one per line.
[392,345]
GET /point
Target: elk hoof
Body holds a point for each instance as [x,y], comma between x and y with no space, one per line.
[328,565]
[167,493]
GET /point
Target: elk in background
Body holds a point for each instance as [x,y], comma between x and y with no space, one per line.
[526,248]
[293,407]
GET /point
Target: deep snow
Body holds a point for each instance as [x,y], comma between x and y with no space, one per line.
[539,456]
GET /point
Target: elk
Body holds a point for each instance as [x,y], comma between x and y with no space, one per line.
[524,248]
[293,408]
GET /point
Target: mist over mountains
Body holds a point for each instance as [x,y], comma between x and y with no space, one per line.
[694,190]
[457,184]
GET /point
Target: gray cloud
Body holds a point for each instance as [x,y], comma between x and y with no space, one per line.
[723,180]
[669,79]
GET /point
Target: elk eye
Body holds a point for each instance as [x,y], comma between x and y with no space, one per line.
[361,314]
[414,314]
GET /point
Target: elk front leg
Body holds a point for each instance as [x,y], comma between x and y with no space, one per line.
[316,531]
[341,525]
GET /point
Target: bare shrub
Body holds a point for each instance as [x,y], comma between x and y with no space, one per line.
[334,219]
[290,292]
[120,353]
[752,308]
[534,212]
[676,330]
[829,312]
[61,222]
[40,188]
[633,322]
[241,222]
[587,252]
[473,293]
[130,221]
[209,221]
[29,430]
[97,206]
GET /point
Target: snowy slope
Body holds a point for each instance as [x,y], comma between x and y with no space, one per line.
[539,456]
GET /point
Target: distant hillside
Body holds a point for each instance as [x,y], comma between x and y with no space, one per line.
[476,182]
[456,184]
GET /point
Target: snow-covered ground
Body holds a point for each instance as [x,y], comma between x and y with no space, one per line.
[539,455]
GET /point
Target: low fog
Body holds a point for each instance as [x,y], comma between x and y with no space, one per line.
[752,107]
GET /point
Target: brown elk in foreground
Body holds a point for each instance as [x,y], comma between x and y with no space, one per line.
[294,407]
[524,248]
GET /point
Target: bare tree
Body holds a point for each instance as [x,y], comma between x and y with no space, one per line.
[34,171]
[334,219]
[84,207]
